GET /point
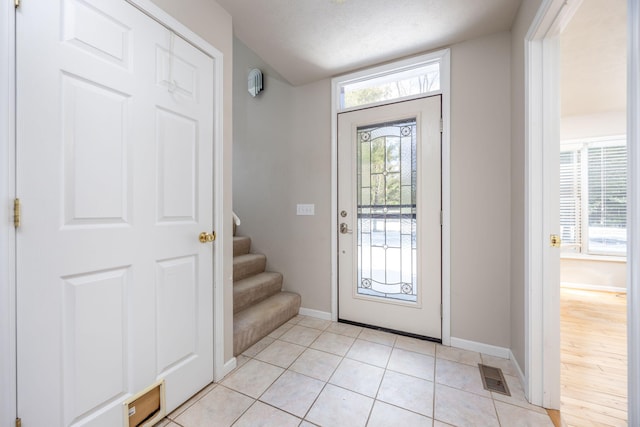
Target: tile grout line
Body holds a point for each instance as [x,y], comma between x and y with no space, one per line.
[342,359]
[287,369]
[168,416]
[433,402]
[387,369]
[493,402]
[304,418]
[375,398]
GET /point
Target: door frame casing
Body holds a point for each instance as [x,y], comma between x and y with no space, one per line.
[444,56]
[633,209]
[537,330]
[542,142]
[8,368]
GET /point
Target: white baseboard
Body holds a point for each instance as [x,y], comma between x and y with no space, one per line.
[489,349]
[520,373]
[229,366]
[587,287]
[324,315]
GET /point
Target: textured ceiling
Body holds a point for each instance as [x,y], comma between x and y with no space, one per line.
[308,40]
[593,59]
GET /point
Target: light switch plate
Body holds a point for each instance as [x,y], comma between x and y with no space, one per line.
[305,209]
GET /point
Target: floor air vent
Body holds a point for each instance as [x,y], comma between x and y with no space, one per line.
[493,380]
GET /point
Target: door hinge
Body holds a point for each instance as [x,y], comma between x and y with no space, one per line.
[18,420]
[16,3]
[441,120]
[441,310]
[441,219]
[16,212]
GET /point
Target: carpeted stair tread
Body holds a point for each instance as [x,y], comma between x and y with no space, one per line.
[248,265]
[254,289]
[256,322]
[241,245]
[259,305]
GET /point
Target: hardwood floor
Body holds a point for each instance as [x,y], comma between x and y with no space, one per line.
[594,358]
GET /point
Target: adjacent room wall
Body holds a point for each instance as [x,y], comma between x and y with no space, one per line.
[595,125]
[597,272]
[211,22]
[524,18]
[282,157]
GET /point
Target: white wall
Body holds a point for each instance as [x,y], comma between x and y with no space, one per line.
[282,157]
[598,272]
[211,22]
[524,18]
[480,190]
[311,179]
[593,125]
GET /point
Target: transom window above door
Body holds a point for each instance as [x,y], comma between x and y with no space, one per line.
[403,80]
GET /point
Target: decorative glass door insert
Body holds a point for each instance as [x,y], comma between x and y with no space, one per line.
[386,210]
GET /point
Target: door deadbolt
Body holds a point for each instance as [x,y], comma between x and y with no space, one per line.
[343,214]
[554,241]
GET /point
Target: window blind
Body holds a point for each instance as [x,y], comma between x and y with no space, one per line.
[593,196]
[607,198]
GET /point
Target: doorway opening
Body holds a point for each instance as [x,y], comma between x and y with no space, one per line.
[542,319]
[593,214]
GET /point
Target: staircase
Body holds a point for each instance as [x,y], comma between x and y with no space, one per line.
[259,304]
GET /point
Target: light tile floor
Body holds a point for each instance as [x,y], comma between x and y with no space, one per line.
[314,372]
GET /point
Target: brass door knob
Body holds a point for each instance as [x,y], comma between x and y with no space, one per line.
[205,237]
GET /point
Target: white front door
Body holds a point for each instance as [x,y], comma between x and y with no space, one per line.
[389,213]
[114,172]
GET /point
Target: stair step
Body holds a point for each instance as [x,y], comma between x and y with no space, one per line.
[248,265]
[254,289]
[259,320]
[241,245]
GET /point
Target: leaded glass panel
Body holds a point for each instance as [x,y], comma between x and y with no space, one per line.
[386,193]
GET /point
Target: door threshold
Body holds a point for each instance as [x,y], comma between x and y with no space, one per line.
[391,331]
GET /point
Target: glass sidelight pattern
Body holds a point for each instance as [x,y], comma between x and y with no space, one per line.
[386,226]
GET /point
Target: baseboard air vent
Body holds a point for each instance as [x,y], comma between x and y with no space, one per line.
[147,407]
[493,380]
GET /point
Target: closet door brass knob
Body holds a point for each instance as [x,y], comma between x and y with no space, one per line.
[205,237]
